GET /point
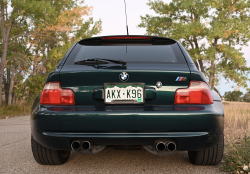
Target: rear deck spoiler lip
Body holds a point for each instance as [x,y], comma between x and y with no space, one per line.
[99,40]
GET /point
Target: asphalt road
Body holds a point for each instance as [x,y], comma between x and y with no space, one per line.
[16,157]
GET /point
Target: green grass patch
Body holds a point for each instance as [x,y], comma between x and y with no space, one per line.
[237,156]
[14,110]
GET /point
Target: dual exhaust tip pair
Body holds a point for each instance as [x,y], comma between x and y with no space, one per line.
[84,145]
[169,146]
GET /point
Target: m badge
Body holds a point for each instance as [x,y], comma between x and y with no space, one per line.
[181,79]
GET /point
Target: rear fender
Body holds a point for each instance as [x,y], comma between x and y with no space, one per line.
[36,105]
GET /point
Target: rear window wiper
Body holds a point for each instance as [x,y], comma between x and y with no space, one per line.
[99,61]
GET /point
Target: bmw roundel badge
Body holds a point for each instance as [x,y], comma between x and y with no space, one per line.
[124,76]
[158,84]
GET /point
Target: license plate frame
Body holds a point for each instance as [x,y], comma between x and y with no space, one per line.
[124,101]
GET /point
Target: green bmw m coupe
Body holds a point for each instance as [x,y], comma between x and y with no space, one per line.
[127,91]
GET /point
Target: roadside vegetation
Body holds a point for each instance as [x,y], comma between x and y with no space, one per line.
[237,96]
[14,110]
[237,140]
[34,37]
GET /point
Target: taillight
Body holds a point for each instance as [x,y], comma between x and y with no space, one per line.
[53,94]
[197,93]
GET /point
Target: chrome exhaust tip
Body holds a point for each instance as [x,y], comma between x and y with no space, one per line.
[86,145]
[75,145]
[160,146]
[171,146]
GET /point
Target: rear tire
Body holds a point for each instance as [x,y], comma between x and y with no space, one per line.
[210,156]
[47,156]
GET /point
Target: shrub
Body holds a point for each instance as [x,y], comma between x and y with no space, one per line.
[15,110]
[237,156]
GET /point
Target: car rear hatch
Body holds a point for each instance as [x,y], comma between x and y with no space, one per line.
[146,65]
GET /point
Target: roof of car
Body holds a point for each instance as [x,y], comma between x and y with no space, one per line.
[127,39]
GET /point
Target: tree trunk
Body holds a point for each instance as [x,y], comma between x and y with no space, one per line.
[4,55]
[200,61]
[201,66]
[6,81]
[196,64]
[6,85]
[18,95]
[17,99]
[13,71]
[212,68]
[21,90]
[5,42]
[14,99]
[211,76]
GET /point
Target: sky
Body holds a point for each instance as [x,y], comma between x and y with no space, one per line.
[112,15]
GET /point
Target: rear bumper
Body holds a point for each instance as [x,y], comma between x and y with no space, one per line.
[191,127]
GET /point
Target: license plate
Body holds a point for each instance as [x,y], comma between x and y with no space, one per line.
[124,93]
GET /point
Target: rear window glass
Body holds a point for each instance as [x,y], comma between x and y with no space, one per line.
[168,54]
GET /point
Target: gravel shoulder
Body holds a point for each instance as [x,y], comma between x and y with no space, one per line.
[16,157]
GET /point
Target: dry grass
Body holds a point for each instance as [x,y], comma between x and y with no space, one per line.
[14,110]
[237,120]
[237,142]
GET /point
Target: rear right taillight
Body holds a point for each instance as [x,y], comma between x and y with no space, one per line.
[53,94]
[197,93]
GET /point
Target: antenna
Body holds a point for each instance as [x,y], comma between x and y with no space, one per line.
[126,16]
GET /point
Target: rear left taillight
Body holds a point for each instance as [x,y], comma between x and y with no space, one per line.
[53,94]
[197,93]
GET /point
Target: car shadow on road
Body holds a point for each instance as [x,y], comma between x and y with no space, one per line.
[136,161]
